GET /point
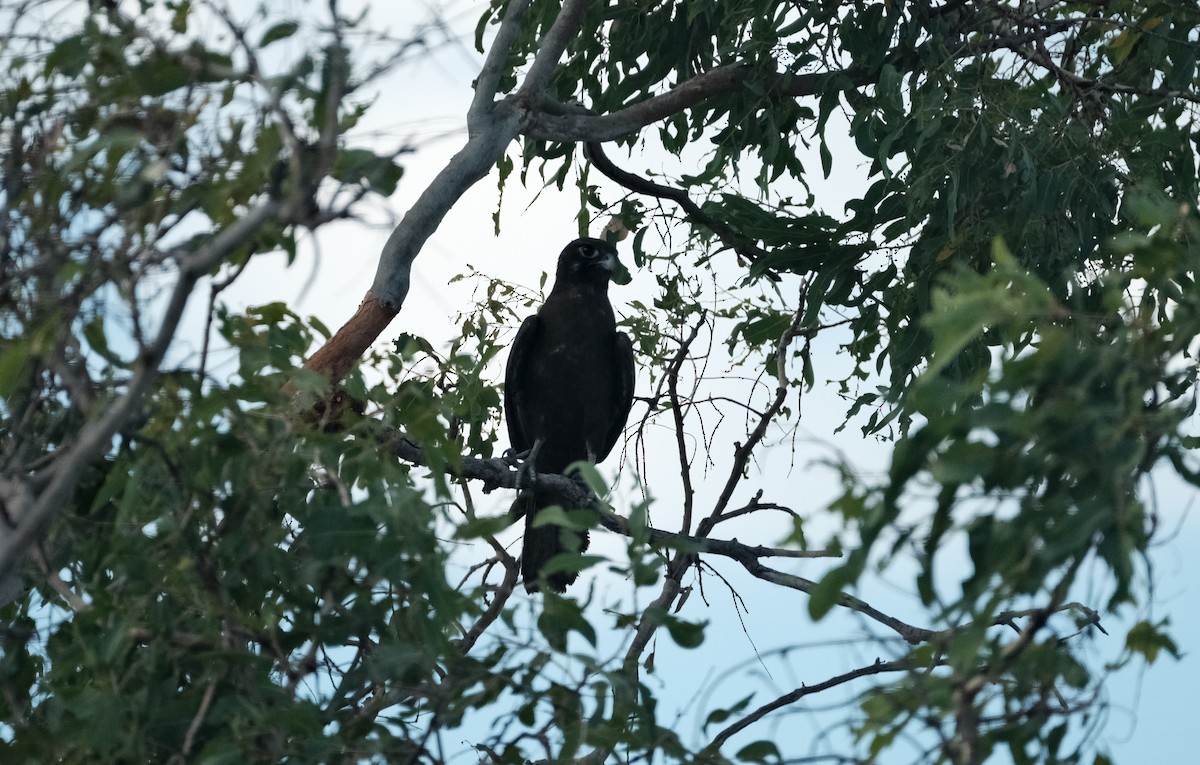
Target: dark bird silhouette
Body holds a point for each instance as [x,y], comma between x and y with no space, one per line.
[567,391]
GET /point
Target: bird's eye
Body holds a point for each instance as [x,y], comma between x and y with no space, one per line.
[587,251]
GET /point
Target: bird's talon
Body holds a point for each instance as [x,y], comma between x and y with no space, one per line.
[526,477]
[514,458]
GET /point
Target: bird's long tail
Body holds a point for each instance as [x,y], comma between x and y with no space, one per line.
[544,542]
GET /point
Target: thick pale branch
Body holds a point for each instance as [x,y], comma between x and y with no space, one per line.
[550,50]
[493,64]
[336,357]
[555,123]
[480,154]
[493,126]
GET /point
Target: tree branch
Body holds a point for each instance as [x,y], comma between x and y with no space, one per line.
[550,49]
[652,618]
[493,126]
[500,598]
[493,64]
[743,451]
[912,635]
[577,127]
[685,467]
[743,246]
[879,667]
[27,521]
[1042,59]
[496,473]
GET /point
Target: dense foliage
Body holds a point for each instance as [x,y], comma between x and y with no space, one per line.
[214,568]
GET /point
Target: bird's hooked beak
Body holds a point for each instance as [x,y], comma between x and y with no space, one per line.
[617,270]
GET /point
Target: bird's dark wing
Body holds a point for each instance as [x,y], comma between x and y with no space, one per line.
[623,377]
[516,398]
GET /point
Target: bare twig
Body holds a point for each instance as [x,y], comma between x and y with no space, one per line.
[215,289]
[879,667]
[652,618]
[503,592]
[55,581]
[743,451]
[753,506]
[740,244]
[911,634]
[685,466]
[189,739]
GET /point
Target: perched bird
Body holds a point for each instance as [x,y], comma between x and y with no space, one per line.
[567,391]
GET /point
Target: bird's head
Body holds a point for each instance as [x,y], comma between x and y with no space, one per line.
[590,261]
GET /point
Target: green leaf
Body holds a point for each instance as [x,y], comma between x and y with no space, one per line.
[721,715]
[361,166]
[826,593]
[555,515]
[590,474]
[1149,640]
[560,616]
[180,18]
[479,528]
[685,634]
[639,522]
[280,31]
[114,484]
[759,751]
[962,462]
[571,562]
[163,74]
[69,56]
[13,361]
